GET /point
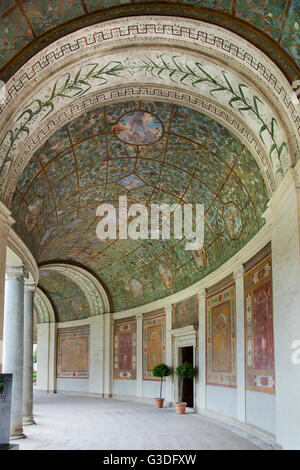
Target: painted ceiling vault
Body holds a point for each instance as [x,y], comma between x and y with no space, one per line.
[178,156]
[66,297]
[27,26]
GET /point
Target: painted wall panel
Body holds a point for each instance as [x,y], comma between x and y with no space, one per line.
[221,338]
[259,334]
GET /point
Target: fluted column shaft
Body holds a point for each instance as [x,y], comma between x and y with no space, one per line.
[13,342]
[28,354]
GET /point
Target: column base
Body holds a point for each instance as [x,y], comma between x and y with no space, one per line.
[17,435]
[28,420]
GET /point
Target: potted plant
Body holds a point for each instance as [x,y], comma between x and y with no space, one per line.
[183,371]
[161,370]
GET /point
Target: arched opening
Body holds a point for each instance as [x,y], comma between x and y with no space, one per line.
[121,117]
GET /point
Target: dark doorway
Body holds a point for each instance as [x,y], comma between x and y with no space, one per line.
[187,355]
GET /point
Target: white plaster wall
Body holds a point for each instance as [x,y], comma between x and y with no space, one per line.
[261,410]
[221,400]
[72,385]
[124,387]
[151,389]
[42,378]
[284,213]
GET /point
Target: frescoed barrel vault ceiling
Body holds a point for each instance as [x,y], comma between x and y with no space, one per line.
[29,25]
[179,155]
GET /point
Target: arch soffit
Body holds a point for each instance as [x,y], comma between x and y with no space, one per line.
[43,307]
[90,286]
[255,100]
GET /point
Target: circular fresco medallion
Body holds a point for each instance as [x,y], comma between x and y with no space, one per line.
[138,128]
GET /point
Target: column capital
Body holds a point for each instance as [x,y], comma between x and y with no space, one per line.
[30,286]
[16,272]
[239,272]
[139,316]
[201,294]
[168,309]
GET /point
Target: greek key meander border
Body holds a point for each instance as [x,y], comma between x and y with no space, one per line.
[67,114]
[217,41]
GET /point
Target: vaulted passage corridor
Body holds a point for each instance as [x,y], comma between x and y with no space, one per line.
[68,422]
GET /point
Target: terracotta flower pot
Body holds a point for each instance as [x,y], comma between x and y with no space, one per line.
[159,402]
[180,408]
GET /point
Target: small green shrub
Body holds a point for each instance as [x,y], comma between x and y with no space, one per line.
[161,370]
[185,370]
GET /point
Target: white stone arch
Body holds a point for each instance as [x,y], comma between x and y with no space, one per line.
[238,68]
[92,289]
[43,308]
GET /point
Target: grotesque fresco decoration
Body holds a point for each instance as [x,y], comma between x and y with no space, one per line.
[136,288]
[67,297]
[233,220]
[73,352]
[259,337]
[154,343]
[185,313]
[84,164]
[32,214]
[166,276]
[221,338]
[125,349]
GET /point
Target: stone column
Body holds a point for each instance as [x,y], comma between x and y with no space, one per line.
[283,215]
[28,354]
[169,380]
[240,344]
[201,397]
[13,342]
[5,223]
[107,355]
[139,355]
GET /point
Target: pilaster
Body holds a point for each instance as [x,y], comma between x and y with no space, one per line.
[240,344]
[201,373]
[139,355]
[169,343]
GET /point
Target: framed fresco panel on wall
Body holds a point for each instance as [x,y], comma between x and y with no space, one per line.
[154,343]
[221,337]
[73,352]
[125,349]
[185,313]
[259,336]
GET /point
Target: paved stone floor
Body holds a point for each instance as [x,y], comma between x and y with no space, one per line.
[75,422]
